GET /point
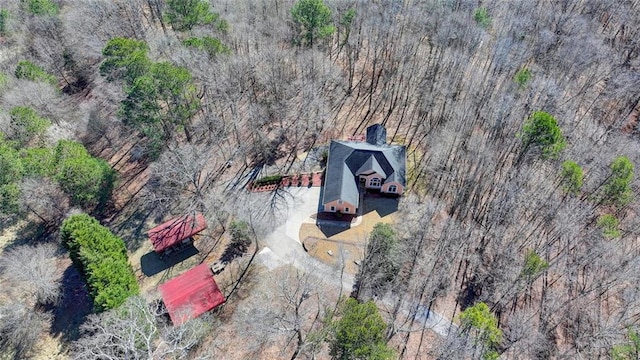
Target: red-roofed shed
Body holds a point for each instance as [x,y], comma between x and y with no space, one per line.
[191,294]
[174,231]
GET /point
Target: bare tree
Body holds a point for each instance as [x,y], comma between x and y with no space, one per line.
[297,302]
[20,328]
[136,331]
[44,199]
[33,273]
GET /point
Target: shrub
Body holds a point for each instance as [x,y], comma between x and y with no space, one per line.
[38,162]
[240,237]
[102,258]
[268,180]
[4,19]
[210,45]
[482,18]
[609,225]
[26,124]
[314,20]
[522,77]
[125,59]
[533,265]
[30,71]
[479,320]
[41,7]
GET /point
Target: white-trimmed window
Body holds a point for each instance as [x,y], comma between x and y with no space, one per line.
[332,208]
[393,189]
[375,182]
[346,209]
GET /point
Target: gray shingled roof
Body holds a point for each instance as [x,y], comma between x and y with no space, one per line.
[371,164]
[348,158]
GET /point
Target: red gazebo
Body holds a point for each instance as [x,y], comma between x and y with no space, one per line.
[191,294]
[176,231]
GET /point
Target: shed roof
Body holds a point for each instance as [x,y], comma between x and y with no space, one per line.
[175,230]
[191,294]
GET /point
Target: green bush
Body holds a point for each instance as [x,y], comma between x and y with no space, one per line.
[38,162]
[210,45]
[268,180]
[359,333]
[30,71]
[26,124]
[41,7]
[240,236]
[533,265]
[482,18]
[4,19]
[609,225]
[9,198]
[479,320]
[522,77]
[314,20]
[102,258]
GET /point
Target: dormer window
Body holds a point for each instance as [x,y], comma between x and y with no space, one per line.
[393,189]
[375,182]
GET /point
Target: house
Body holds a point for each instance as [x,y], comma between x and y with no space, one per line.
[354,167]
[191,294]
[176,232]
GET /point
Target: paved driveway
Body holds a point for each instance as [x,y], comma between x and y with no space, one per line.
[284,243]
[283,246]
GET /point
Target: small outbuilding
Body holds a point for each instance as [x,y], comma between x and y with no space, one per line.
[191,294]
[176,232]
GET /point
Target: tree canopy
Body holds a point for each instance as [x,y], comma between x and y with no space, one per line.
[88,180]
[185,14]
[479,320]
[572,177]
[314,19]
[124,59]
[617,189]
[360,333]
[26,124]
[541,130]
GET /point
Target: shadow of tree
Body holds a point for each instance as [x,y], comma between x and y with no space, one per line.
[132,229]
[34,233]
[152,263]
[74,306]
[232,251]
